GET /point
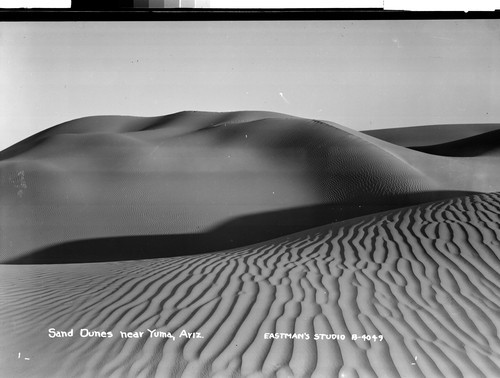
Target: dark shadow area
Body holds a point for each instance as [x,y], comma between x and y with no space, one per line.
[430,135]
[235,233]
[469,147]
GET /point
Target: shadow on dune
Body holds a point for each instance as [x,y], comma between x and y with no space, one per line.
[432,135]
[235,233]
[469,147]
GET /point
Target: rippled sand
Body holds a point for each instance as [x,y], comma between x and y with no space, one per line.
[425,278]
[400,280]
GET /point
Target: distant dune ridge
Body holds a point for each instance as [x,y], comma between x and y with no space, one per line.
[194,172]
[429,135]
[424,277]
[259,232]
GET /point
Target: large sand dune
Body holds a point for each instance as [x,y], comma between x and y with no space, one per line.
[425,278]
[195,175]
[264,243]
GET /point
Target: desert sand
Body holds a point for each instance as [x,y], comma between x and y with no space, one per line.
[200,178]
[425,278]
[263,243]
[429,135]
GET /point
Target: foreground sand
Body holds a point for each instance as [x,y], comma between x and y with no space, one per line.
[425,278]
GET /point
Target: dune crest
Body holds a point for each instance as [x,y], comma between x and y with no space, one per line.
[429,135]
[191,173]
[424,277]
[485,144]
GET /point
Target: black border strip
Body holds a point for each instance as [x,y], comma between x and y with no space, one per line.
[209,14]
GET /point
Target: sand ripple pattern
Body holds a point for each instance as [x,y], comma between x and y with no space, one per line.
[425,277]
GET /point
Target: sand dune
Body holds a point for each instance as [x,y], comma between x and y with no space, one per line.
[217,215]
[196,173]
[485,144]
[429,135]
[425,278]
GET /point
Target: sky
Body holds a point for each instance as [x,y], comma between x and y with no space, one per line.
[361,74]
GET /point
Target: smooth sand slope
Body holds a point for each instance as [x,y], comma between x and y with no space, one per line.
[424,277]
[195,180]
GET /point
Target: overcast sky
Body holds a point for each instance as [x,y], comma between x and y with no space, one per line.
[362,74]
